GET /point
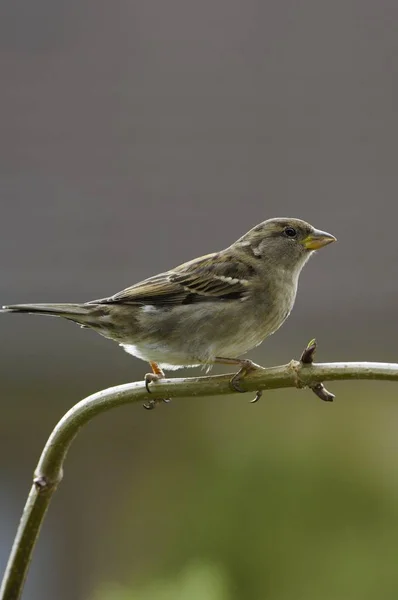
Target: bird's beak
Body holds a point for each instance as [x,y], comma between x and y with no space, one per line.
[318,239]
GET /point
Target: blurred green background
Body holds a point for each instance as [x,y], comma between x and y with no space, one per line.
[138,135]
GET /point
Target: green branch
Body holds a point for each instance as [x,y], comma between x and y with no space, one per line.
[49,470]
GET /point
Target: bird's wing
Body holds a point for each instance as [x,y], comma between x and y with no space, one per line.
[215,276]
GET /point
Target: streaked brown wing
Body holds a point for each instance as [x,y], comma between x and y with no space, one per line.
[199,280]
[155,290]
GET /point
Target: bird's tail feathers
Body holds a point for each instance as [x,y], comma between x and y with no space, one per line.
[76,312]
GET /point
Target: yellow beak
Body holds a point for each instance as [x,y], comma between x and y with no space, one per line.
[317,239]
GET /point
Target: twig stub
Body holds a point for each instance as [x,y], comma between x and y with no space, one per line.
[307,358]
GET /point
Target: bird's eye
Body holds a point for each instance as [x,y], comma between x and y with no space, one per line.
[290,232]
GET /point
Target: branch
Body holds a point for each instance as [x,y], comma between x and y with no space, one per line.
[49,470]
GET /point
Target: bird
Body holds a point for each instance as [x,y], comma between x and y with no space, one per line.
[212,309]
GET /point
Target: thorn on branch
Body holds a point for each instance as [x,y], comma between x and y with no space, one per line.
[44,484]
[307,358]
[40,482]
[322,393]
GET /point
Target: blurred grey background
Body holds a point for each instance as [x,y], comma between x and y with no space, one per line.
[138,135]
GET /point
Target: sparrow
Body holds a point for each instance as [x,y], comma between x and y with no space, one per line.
[212,309]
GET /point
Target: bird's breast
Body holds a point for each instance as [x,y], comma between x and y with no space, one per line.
[274,301]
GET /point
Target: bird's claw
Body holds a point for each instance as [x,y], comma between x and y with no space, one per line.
[235,382]
[257,397]
[247,366]
[150,405]
[152,378]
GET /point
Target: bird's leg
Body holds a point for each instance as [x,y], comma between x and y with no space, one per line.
[246,367]
[157,373]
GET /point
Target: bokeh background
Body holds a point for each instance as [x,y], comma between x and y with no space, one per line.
[137,135]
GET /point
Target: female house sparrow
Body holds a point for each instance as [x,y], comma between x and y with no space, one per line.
[209,310]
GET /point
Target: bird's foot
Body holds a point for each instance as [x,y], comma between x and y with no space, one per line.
[156,375]
[151,378]
[152,403]
[246,366]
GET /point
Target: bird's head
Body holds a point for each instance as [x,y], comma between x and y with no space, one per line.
[287,242]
